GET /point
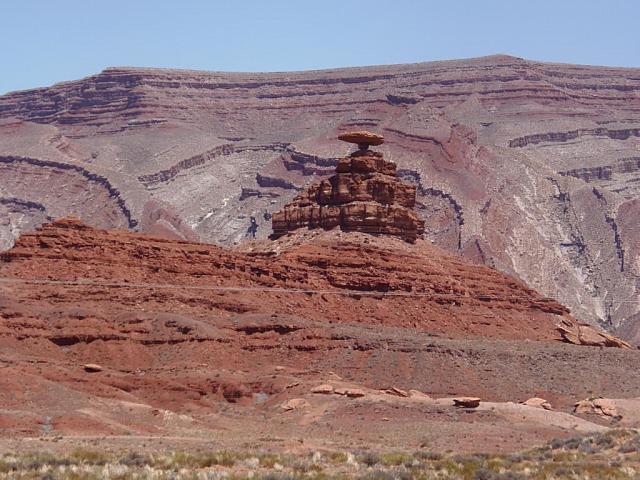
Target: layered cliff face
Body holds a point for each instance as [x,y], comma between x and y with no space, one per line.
[363,196]
[525,166]
[336,276]
[323,275]
[118,333]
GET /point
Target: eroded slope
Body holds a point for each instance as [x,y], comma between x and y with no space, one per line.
[117,333]
[525,166]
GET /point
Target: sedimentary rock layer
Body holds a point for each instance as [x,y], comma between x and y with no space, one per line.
[518,164]
[348,277]
[111,332]
[363,196]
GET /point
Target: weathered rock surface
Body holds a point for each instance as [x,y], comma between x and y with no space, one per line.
[351,277]
[193,338]
[623,411]
[363,138]
[325,389]
[294,404]
[586,335]
[92,368]
[363,196]
[537,402]
[466,402]
[526,166]
[597,406]
[350,392]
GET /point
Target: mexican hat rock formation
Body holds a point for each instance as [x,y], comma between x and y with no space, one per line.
[364,195]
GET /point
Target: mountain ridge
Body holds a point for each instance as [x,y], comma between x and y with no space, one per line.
[240,146]
[497,56]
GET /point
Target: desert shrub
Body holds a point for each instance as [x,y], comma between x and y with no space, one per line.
[545,455]
[474,457]
[484,474]
[516,457]
[394,459]
[303,466]
[268,460]
[135,459]
[38,460]
[336,458]
[511,476]
[403,475]
[369,459]
[179,460]
[469,468]
[223,458]
[91,457]
[426,455]
[75,475]
[564,456]
[378,475]
[630,446]
[587,448]
[5,467]
[599,470]
[572,443]
[557,443]
[604,441]
[200,460]
[563,471]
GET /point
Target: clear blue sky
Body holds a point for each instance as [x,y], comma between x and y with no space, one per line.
[46,41]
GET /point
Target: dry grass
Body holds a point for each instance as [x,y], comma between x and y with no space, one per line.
[611,455]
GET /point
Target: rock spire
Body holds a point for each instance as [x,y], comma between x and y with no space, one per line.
[364,196]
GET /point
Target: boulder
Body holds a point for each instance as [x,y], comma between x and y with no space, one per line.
[598,406]
[362,137]
[294,404]
[350,392]
[419,395]
[537,402]
[466,402]
[325,388]
[397,392]
[355,393]
[92,368]
[580,334]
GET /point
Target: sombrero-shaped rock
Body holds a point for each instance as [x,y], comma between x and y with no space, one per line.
[362,138]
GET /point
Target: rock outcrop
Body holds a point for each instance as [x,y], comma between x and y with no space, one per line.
[580,334]
[364,196]
[538,403]
[524,166]
[466,402]
[356,278]
[114,332]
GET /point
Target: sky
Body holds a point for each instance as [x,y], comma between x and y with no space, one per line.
[47,41]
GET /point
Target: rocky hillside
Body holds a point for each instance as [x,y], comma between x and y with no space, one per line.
[114,332]
[526,166]
[318,276]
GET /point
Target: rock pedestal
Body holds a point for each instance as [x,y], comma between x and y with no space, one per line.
[364,196]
